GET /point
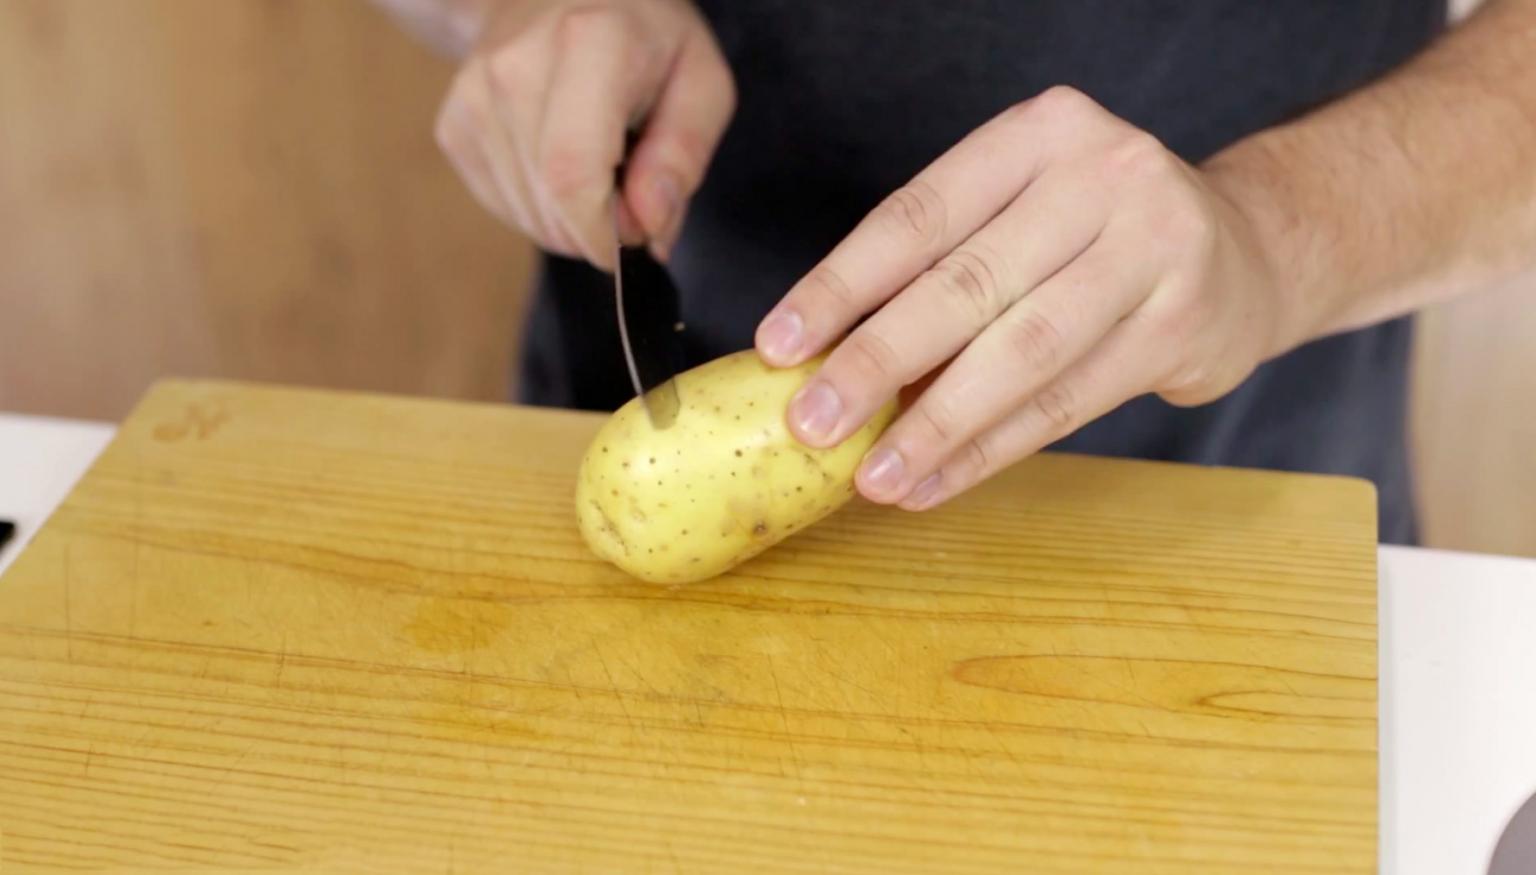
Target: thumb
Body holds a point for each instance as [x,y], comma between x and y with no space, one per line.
[679,139]
[631,232]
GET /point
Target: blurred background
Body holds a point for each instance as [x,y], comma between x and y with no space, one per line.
[249,189]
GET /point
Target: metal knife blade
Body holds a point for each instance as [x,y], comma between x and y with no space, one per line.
[649,324]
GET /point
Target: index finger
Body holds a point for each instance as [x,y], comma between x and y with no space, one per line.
[905,235]
[591,94]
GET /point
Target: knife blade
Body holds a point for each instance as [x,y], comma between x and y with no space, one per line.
[649,326]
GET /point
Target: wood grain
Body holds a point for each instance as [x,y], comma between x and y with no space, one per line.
[301,631]
[246,188]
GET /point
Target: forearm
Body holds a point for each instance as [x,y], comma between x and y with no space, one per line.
[1413,190]
[448,26]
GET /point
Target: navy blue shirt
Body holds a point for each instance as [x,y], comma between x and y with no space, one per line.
[842,101]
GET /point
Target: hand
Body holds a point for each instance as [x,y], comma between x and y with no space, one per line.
[1054,264]
[535,121]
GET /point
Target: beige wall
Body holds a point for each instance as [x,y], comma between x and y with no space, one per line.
[1474,424]
[248,188]
[243,188]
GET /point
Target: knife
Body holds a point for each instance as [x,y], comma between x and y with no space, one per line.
[649,324]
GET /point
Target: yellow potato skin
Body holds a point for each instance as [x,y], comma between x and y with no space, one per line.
[726,481]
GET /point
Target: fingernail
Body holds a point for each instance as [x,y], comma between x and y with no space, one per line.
[925,495]
[780,336]
[882,471]
[815,411]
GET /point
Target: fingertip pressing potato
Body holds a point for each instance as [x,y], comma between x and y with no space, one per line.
[724,482]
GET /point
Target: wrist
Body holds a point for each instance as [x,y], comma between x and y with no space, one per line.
[1293,249]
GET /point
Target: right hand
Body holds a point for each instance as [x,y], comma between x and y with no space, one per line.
[536,118]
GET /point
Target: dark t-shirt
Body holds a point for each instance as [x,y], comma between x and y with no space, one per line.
[841,101]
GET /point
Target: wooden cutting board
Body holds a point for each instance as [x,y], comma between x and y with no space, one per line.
[296,631]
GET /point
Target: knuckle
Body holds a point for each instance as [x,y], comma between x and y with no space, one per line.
[974,457]
[1140,155]
[871,356]
[1021,113]
[917,211]
[1062,102]
[969,279]
[1056,408]
[826,283]
[1180,398]
[510,68]
[470,91]
[717,82]
[1195,384]
[1034,340]
[938,418]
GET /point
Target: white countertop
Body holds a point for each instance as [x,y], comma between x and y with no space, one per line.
[40,460]
[1458,667]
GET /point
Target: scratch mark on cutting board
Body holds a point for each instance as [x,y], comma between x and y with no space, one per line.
[643,679]
[789,738]
[570,680]
[612,685]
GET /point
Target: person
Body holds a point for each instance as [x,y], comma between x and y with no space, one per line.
[1186,231]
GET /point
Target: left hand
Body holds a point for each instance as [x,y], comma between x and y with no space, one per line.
[1054,264]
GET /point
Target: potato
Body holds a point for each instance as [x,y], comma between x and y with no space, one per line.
[723,483]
